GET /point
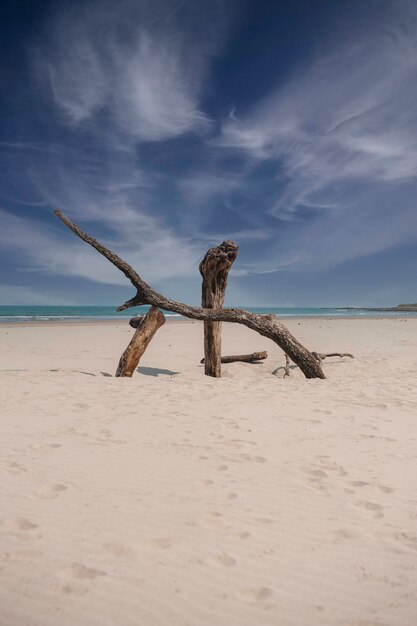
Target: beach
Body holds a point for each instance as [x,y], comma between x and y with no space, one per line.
[172,498]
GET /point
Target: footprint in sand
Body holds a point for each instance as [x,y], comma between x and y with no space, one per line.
[14,468]
[408,540]
[317,473]
[20,527]
[212,519]
[256,594]
[119,549]
[385,489]
[49,491]
[76,578]
[358,483]
[21,556]
[224,560]
[371,506]
[341,534]
[244,535]
[45,446]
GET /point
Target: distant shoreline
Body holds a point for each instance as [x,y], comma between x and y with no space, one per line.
[392,309]
[184,320]
[87,315]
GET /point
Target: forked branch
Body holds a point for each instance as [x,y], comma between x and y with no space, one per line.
[266,325]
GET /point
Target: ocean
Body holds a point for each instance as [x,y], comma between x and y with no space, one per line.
[79,313]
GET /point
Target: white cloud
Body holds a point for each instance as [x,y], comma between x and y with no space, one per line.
[349,115]
[343,134]
[199,187]
[119,74]
[156,253]
[140,64]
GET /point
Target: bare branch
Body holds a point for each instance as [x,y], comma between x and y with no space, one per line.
[244,358]
[266,325]
[287,366]
[320,356]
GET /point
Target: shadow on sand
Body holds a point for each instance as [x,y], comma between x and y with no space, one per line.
[155,371]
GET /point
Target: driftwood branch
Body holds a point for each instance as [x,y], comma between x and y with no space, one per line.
[287,366]
[146,327]
[214,269]
[136,321]
[244,358]
[320,356]
[266,325]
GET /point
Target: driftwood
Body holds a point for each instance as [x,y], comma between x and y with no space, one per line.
[136,321]
[146,327]
[287,365]
[214,269]
[266,325]
[245,358]
[320,356]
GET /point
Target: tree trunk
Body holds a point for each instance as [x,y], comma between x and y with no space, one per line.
[146,327]
[214,269]
[266,325]
[245,358]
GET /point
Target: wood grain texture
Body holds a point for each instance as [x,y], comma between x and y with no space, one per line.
[145,330]
[214,269]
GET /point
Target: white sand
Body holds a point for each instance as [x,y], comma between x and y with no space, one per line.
[177,500]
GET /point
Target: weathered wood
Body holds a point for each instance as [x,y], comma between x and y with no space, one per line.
[214,269]
[136,321]
[245,358]
[320,356]
[287,366]
[145,330]
[266,325]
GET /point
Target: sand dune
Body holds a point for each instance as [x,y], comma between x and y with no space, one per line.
[175,499]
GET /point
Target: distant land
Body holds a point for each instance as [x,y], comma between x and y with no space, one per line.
[398,307]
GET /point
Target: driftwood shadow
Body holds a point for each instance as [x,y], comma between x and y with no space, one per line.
[155,371]
[89,373]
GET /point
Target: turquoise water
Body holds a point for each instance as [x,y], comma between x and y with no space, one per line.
[77,313]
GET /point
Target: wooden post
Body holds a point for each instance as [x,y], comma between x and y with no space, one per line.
[244,358]
[146,327]
[214,269]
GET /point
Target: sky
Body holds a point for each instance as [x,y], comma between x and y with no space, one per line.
[164,127]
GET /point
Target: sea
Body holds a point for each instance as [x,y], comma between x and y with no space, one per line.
[25,314]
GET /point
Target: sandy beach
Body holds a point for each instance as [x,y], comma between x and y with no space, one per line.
[175,499]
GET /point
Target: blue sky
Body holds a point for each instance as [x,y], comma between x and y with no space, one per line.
[164,127]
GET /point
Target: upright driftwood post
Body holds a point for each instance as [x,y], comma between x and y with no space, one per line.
[214,269]
[145,330]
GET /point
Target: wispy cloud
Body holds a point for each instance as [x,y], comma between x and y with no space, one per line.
[343,134]
[156,252]
[110,77]
[139,65]
[119,135]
